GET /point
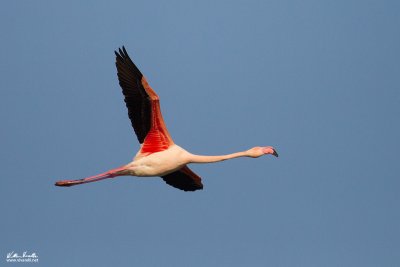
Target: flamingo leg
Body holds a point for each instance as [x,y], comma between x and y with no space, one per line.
[109,174]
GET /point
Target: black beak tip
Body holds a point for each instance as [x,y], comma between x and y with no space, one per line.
[275,153]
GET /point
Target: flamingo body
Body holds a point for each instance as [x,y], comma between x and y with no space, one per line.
[159,163]
[158,154]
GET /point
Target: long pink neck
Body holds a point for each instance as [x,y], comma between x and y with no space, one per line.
[212,159]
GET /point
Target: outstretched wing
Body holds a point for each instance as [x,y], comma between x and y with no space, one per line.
[184,179]
[143,106]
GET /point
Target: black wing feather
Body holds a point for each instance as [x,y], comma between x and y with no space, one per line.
[184,179]
[136,99]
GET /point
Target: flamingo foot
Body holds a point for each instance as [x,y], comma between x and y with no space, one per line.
[69,182]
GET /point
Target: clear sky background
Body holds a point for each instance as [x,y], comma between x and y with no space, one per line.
[319,80]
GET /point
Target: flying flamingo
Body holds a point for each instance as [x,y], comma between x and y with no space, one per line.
[158,154]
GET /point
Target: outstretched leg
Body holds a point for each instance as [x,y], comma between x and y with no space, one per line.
[109,174]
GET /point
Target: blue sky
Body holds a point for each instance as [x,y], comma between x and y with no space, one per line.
[319,80]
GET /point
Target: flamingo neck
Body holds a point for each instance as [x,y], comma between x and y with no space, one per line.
[212,159]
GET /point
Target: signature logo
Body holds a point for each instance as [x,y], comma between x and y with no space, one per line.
[24,257]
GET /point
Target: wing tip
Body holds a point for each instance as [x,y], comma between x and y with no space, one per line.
[121,52]
[193,189]
[123,56]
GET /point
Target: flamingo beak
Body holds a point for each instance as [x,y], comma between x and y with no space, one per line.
[275,153]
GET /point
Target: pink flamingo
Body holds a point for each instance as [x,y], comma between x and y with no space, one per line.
[158,154]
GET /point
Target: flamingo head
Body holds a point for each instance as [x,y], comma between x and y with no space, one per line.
[258,151]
